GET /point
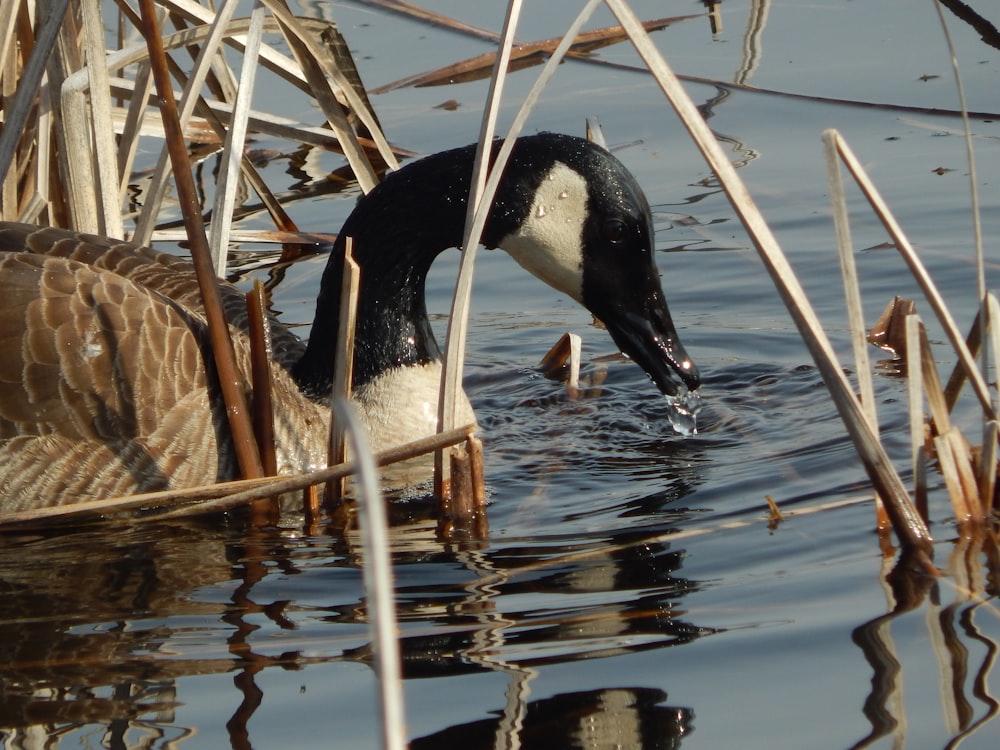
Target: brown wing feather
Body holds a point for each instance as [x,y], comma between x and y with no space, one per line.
[107,385]
[103,386]
[169,275]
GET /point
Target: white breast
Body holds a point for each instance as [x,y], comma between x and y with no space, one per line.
[400,405]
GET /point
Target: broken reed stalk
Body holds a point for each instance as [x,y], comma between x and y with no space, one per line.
[988,459]
[952,449]
[463,508]
[915,392]
[343,365]
[918,271]
[222,346]
[908,525]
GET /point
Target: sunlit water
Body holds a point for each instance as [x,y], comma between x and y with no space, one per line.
[631,592]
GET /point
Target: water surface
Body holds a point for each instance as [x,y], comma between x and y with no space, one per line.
[631,592]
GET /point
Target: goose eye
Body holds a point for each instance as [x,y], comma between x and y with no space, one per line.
[614,230]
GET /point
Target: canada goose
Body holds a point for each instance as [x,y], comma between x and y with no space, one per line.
[104,387]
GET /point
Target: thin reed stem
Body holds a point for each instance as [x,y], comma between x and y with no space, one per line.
[247,453]
[909,527]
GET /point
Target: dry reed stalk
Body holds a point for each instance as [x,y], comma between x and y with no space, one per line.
[322,72]
[459,506]
[940,418]
[451,378]
[131,128]
[222,346]
[232,151]
[478,203]
[852,295]
[915,391]
[988,466]
[919,272]
[186,107]
[525,55]
[223,496]
[957,475]
[954,456]
[102,134]
[852,291]
[474,447]
[343,364]
[909,527]
[379,588]
[20,107]
[957,379]
[463,508]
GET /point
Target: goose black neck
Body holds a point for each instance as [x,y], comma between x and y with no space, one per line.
[398,230]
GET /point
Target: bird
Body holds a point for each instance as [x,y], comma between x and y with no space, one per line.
[107,386]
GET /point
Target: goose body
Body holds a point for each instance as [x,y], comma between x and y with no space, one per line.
[106,382]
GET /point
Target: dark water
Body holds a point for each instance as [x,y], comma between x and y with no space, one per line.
[631,592]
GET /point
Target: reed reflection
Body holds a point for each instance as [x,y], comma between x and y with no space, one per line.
[952,632]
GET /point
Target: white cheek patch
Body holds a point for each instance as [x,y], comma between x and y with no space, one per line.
[549,244]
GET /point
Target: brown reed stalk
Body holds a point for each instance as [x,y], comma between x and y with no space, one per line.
[222,347]
[260,367]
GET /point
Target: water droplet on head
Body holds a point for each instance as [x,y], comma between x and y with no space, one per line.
[540,211]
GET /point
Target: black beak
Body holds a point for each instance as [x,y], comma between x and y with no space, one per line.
[643,330]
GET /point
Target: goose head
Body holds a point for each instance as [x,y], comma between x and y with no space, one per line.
[572,215]
[566,210]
